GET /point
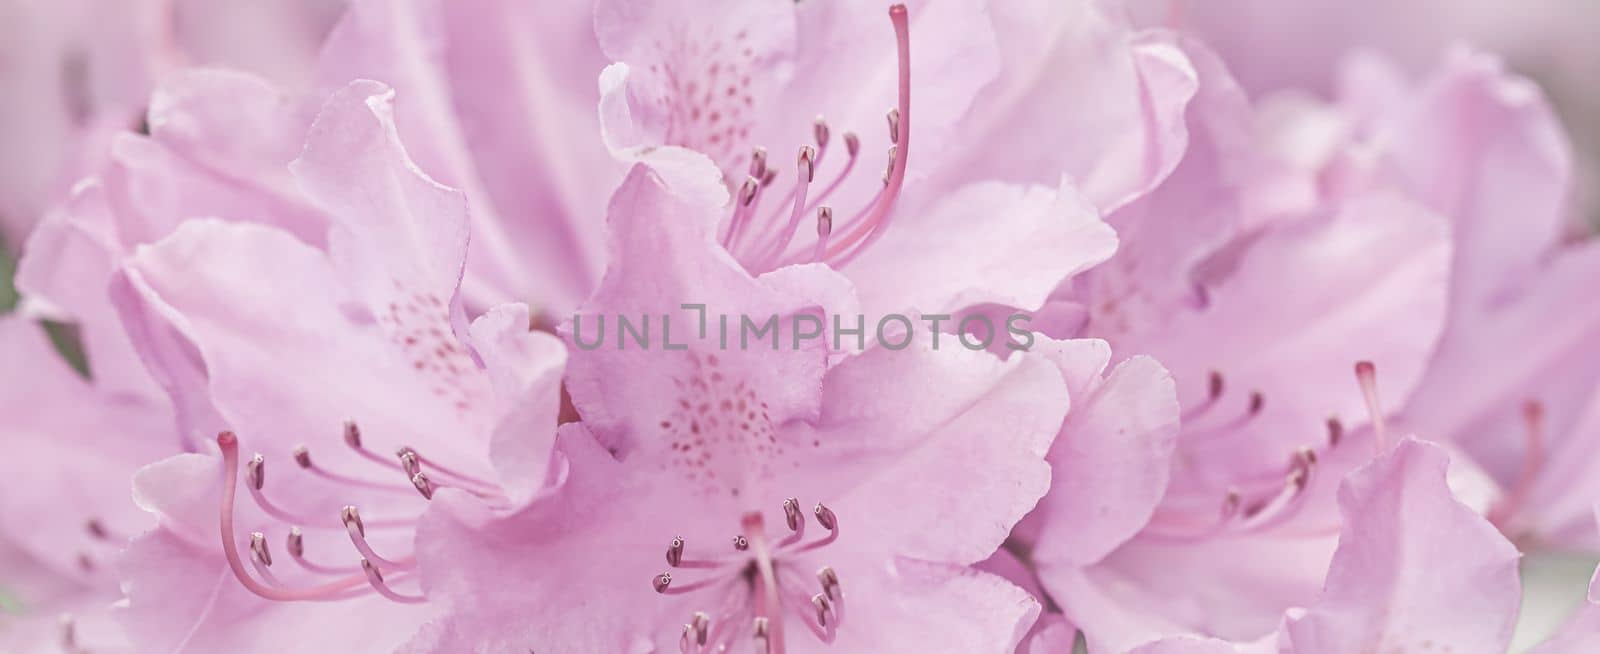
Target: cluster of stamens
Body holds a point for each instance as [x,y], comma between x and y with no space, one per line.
[341,581]
[763,243]
[757,583]
[1257,504]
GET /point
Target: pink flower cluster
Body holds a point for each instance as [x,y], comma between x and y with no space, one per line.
[1313,345]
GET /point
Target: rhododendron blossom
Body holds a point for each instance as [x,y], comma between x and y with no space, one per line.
[792,326]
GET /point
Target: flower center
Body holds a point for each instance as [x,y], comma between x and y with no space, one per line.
[756,584]
[763,242]
[334,582]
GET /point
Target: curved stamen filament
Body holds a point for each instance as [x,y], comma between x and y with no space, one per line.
[796,519]
[296,546]
[1214,389]
[452,477]
[803,609]
[229,446]
[1533,461]
[302,457]
[358,537]
[375,579]
[872,225]
[1367,375]
[773,249]
[829,521]
[256,483]
[749,195]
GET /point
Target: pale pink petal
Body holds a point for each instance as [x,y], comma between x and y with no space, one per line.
[70,451]
[1111,463]
[497,98]
[986,243]
[1415,568]
[524,369]
[1483,148]
[949,414]
[258,355]
[1100,101]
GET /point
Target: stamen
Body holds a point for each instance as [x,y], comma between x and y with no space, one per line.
[1214,388]
[796,521]
[358,537]
[747,199]
[408,461]
[894,126]
[295,544]
[1335,432]
[768,255]
[425,487]
[830,522]
[97,530]
[1367,376]
[375,579]
[702,625]
[302,456]
[229,446]
[1220,433]
[830,583]
[256,472]
[1533,461]
[1280,508]
[663,584]
[676,560]
[69,635]
[819,132]
[412,461]
[865,232]
[758,163]
[824,610]
[258,547]
[824,229]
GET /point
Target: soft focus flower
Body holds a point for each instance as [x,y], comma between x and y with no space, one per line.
[948,224]
[911,464]
[74,72]
[1415,570]
[374,359]
[513,326]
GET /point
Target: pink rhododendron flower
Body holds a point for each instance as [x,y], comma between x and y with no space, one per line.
[512,326]
[379,313]
[817,79]
[912,465]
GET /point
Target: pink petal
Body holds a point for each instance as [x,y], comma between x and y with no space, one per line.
[1415,568]
[986,243]
[479,110]
[1104,103]
[1112,460]
[524,369]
